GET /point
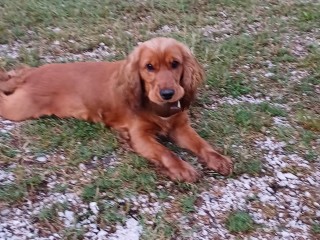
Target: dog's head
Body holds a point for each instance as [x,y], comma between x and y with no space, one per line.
[163,70]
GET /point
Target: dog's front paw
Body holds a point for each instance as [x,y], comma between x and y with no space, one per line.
[182,171]
[219,163]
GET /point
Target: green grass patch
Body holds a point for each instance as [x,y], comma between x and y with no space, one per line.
[251,167]
[236,86]
[25,185]
[12,193]
[50,214]
[284,55]
[187,203]
[309,13]
[29,57]
[311,155]
[162,229]
[126,179]
[112,214]
[315,228]
[239,222]
[78,140]
[73,233]
[309,121]
[272,110]
[8,150]
[61,188]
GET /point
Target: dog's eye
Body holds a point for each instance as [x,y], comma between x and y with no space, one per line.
[150,67]
[175,64]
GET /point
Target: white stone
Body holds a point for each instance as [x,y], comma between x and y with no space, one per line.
[94,208]
[307,194]
[316,204]
[281,176]
[82,167]
[69,215]
[290,176]
[42,159]
[310,180]
[5,212]
[101,234]
[131,231]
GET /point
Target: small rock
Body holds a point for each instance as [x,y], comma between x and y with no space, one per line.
[283,183]
[41,159]
[307,194]
[290,176]
[281,176]
[94,208]
[5,212]
[69,215]
[82,167]
[316,204]
[311,181]
[269,74]
[270,190]
[73,182]
[204,232]
[264,198]
[93,225]
[56,29]
[101,234]
[285,234]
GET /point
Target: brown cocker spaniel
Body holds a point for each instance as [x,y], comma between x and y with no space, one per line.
[145,95]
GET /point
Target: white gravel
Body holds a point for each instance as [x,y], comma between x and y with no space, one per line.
[283,201]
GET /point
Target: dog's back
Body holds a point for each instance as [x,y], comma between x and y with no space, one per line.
[64,90]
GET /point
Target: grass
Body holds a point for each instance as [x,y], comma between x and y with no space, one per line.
[7,150]
[316,228]
[73,233]
[23,187]
[113,214]
[79,141]
[11,193]
[252,167]
[162,229]
[134,175]
[50,214]
[248,40]
[239,222]
[188,203]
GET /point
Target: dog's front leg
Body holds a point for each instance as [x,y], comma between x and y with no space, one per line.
[186,137]
[145,144]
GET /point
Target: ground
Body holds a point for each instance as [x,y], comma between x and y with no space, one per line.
[67,179]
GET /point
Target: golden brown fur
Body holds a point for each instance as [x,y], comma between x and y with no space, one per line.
[145,95]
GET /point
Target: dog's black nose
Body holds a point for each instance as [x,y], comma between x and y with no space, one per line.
[166,94]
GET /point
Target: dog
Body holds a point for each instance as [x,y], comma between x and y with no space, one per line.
[146,95]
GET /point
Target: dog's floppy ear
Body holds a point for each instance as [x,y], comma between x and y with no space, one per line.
[129,80]
[193,76]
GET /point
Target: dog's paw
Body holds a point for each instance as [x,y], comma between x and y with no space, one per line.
[219,163]
[182,171]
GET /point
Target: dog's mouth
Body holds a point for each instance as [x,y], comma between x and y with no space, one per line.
[174,106]
[166,109]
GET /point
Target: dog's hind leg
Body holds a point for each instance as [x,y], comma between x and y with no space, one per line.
[17,106]
[8,86]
